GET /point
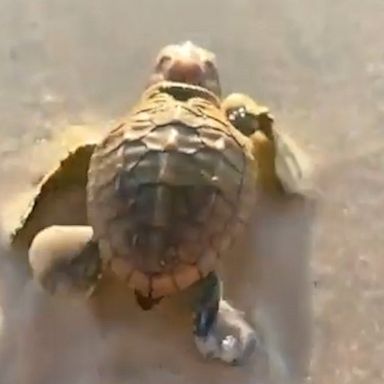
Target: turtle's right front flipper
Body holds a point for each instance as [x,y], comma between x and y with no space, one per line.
[282,165]
[65,259]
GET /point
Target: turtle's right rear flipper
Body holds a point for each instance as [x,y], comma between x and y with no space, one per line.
[221,332]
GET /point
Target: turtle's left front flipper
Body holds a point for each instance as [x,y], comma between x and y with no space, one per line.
[281,164]
[65,260]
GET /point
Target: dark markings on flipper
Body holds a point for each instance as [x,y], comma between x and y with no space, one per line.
[81,273]
[207,306]
[87,265]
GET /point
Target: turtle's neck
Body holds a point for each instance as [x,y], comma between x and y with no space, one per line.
[183,91]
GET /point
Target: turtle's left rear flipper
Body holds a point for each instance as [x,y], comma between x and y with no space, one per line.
[65,259]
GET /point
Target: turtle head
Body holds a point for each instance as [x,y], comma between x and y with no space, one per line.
[187,63]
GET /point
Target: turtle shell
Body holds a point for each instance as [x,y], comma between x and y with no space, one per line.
[169,188]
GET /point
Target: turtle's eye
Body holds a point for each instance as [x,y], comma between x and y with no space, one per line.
[162,62]
[211,79]
[210,65]
[210,70]
[243,121]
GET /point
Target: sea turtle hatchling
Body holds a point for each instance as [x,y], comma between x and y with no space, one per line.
[167,190]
